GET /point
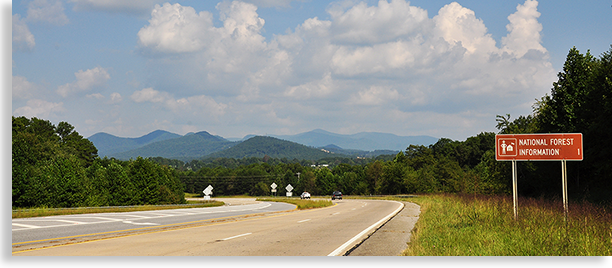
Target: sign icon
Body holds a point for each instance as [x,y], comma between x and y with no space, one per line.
[507,146]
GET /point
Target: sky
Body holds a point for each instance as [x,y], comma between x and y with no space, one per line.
[232,68]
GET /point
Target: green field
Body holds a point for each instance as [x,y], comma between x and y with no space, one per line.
[454,225]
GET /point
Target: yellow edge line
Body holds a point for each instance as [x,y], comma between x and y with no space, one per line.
[143,228]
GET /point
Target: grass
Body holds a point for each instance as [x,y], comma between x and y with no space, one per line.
[300,203]
[454,225]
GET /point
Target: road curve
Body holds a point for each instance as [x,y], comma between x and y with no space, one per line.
[316,232]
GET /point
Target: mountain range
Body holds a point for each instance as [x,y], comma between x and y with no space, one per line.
[310,145]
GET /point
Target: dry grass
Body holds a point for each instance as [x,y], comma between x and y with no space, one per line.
[453,225]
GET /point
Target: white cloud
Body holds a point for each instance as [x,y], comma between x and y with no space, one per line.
[47,11]
[363,24]
[22,88]
[376,95]
[176,29]
[385,61]
[457,24]
[150,95]
[39,108]
[23,39]
[115,97]
[191,106]
[85,81]
[524,30]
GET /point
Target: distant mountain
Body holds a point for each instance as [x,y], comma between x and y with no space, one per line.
[260,146]
[367,141]
[184,148]
[108,144]
[314,144]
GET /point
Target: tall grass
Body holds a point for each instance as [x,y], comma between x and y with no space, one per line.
[453,225]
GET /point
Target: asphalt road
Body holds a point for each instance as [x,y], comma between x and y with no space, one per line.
[317,232]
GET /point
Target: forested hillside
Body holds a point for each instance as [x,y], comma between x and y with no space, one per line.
[260,146]
[54,166]
[187,147]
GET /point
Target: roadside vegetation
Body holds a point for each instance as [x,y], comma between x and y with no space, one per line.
[477,225]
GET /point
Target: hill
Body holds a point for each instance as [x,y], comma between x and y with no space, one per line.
[108,144]
[184,148]
[260,146]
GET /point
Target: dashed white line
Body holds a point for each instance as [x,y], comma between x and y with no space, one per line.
[303,220]
[236,236]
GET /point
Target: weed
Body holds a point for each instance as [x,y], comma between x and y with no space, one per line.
[471,225]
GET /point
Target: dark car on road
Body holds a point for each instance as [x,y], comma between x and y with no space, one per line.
[337,195]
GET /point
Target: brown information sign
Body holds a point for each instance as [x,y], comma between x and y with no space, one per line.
[538,147]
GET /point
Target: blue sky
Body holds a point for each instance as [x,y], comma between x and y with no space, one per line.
[231,68]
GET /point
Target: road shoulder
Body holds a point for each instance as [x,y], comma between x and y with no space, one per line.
[392,238]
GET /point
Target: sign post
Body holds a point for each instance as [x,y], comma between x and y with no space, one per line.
[539,147]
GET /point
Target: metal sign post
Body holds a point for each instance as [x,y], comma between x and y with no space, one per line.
[514,190]
[564,186]
[539,147]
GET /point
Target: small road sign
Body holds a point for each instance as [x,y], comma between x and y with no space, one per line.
[273,185]
[207,192]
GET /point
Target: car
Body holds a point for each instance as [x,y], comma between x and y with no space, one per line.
[305,195]
[337,195]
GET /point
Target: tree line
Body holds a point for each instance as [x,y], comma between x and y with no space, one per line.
[446,166]
[54,166]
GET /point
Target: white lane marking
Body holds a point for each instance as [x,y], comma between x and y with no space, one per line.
[73,222]
[236,236]
[353,208]
[123,216]
[303,220]
[336,213]
[140,223]
[26,226]
[344,246]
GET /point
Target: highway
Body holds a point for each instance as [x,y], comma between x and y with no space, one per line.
[261,229]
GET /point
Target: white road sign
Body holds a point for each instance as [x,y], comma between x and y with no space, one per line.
[208,190]
[289,188]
